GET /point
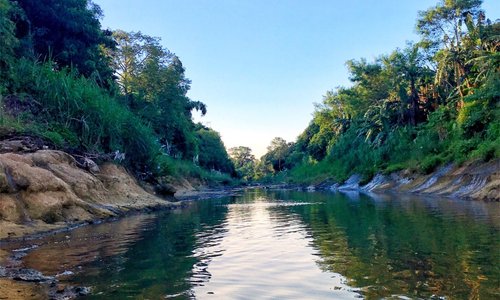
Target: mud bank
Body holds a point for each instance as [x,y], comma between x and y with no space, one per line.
[477,181]
[46,190]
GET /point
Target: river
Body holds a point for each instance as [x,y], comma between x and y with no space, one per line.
[286,245]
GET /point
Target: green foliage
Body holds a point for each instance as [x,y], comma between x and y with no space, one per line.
[176,168]
[75,111]
[276,155]
[9,41]
[212,153]
[400,113]
[244,162]
[57,81]
[68,33]
[311,172]
[430,163]
[154,87]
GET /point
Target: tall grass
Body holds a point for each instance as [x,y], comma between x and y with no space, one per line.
[186,169]
[76,112]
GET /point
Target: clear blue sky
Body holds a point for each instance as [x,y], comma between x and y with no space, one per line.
[259,65]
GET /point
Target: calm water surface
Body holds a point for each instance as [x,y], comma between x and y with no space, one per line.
[287,245]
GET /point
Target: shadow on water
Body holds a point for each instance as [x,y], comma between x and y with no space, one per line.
[286,245]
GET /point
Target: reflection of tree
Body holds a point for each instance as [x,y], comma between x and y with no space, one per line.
[162,262]
[402,247]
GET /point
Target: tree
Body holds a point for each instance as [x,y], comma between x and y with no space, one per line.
[408,71]
[444,24]
[244,161]
[9,41]
[212,153]
[276,153]
[153,83]
[138,61]
[241,156]
[67,32]
[444,29]
[370,80]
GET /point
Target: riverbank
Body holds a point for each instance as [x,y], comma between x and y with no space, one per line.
[47,190]
[473,180]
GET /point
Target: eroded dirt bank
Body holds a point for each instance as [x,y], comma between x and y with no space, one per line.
[475,181]
[46,190]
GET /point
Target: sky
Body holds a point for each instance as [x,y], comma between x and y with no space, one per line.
[260,65]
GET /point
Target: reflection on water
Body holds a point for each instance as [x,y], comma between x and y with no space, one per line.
[71,250]
[287,245]
[265,253]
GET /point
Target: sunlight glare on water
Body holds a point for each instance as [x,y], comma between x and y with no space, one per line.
[265,254]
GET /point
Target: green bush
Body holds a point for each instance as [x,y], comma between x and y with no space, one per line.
[394,168]
[81,114]
[429,164]
[177,168]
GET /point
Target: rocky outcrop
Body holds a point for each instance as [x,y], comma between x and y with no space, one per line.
[47,190]
[479,181]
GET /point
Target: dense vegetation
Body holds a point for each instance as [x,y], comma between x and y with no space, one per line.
[92,91]
[433,102]
[95,92]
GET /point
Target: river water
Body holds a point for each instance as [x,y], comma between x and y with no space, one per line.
[286,245]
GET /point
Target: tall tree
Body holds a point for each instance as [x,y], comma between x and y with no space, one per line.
[408,71]
[67,32]
[154,85]
[138,58]
[241,156]
[444,28]
[276,153]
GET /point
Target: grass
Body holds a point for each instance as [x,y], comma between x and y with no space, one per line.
[186,169]
[76,112]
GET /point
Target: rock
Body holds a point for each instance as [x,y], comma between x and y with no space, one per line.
[60,288]
[90,165]
[30,275]
[62,291]
[82,290]
[65,273]
[334,187]
[21,144]
[351,184]
[376,182]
